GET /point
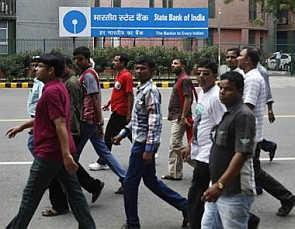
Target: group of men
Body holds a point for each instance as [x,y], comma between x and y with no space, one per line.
[224,139]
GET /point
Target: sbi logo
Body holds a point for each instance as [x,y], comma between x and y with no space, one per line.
[75,21]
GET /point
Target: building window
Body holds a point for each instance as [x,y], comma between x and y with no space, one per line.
[252,10]
[116,3]
[211,8]
[3,37]
[167,3]
[152,3]
[252,34]
[97,3]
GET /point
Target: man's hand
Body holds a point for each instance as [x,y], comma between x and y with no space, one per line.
[271,116]
[186,152]
[70,165]
[212,193]
[106,107]
[13,131]
[147,157]
[117,140]
[185,121]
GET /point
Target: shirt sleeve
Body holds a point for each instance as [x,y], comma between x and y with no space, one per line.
[90,84]
[251,91]
[218,109]
[128,80]
[244,133]
[186,86]
[154,122]
[55,104]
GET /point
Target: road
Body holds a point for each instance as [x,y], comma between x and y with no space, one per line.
[108,211]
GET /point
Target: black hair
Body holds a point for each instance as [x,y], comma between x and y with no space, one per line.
[55,61]
[146,60]
[253,54]
[68,61]
[207,63]
[181,60]
[123,58]
[236,78]
[235,50]
[82,50]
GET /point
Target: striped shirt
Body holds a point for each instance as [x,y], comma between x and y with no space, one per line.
[254,94]
[265,76]
[146,119]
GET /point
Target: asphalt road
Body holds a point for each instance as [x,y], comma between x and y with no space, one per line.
[108,211]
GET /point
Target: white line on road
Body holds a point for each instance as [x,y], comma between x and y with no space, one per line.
[30,162]
[106,119]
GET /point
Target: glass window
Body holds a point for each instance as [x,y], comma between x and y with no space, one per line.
[152,3]
[252,34]
[97,3]
[3,49]
[252,10]
[167,3]
[116,3]
[211,8]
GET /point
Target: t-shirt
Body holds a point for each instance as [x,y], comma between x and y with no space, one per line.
[54,103]
[123,86]
[208,113]
[90,86]
[235,133]
[254,93]
[174,107]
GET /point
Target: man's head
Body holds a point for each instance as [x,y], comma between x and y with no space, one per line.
[50,67]
[120,61]
[33,65]
[231,88]
[231,58]
[82,57]
[206,74]
[178,66]
[248,59]
[69,66]
[144,68]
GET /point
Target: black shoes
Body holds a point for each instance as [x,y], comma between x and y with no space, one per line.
[253,221]
[185,219]
[286,208]
[120,191]
[272,152]
[97,193]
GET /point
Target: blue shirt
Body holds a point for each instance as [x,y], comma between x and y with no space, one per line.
[34,96]
[146,119]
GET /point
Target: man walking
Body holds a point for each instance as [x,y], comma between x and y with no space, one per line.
[121,102]
[180,115]
[54,148]
[229,198]
[146,128]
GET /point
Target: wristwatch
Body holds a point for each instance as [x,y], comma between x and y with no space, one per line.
[220,185]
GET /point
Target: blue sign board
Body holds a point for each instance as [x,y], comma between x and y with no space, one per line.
[135,22]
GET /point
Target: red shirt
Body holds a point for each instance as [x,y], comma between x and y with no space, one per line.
[54,103]
[123,86]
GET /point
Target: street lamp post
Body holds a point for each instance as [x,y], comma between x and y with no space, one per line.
[219,40]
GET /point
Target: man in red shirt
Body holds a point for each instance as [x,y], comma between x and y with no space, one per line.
[54,147]
[121,102]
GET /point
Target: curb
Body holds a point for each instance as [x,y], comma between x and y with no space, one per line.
[104,85]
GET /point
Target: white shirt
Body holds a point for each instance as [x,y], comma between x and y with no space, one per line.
[254,93]
[208,113]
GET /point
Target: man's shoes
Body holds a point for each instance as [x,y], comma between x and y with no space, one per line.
[97,193]
[97,167]
[120,191]
[185,219]
[126,226]
[50,212]
[259,190]
[253,221]
[168,177]
[286,208]
[272,152]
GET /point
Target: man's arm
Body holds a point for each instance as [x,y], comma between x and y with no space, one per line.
[129,106]
[234,168]
[271,116]
[13,131]
[62,133]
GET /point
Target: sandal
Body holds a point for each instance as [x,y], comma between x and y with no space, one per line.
[49,212]
[168,177]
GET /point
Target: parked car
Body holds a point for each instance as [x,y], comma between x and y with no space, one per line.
[279,61]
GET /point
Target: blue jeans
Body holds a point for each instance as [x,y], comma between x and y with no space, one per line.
[138,169]
[228,212]
[41,174]
[90,131]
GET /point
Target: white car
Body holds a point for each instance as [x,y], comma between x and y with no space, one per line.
[279,61]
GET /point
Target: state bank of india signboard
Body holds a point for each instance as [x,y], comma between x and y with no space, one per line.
[133,22]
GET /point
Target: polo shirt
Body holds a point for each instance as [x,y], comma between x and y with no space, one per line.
[122,87]
[235,133]
[54,103]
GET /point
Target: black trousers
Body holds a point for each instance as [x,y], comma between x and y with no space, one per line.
[57,195]
[267,182]
[115,124]
[200,183]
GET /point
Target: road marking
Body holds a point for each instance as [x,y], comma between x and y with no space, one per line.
[106,119]
[30,162]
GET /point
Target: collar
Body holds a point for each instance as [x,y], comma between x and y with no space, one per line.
[251,72]
[235,106]
[52,82]
[141,87]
